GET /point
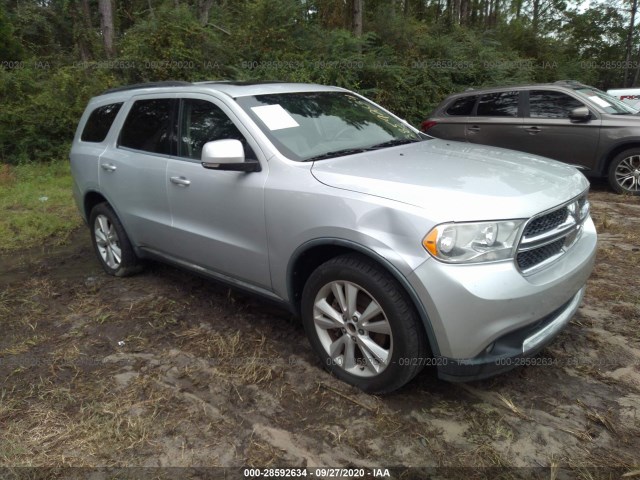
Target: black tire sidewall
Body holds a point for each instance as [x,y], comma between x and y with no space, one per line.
[400,314]
[612,169]
[129,261]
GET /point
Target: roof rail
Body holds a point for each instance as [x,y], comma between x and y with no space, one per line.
[239,83]
[567,82]
[169,83]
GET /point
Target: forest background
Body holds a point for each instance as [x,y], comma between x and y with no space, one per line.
[404,54]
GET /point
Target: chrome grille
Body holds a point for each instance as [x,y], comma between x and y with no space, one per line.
[532,258]
[547,236]
[546,222]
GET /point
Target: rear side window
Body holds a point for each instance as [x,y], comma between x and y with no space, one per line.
[549,104]
[462,106]
[99,123]
[149,126]
[502,104]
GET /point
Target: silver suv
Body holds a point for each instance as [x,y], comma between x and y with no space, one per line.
[566,121]
[397,250]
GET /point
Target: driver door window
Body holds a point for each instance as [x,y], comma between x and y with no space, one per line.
[551,104]
[203,122]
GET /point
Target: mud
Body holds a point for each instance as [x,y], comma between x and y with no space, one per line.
[168,369]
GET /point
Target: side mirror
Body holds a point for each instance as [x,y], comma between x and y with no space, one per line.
[580,114]
[227,155]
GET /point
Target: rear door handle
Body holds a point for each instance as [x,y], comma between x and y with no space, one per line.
[533,130]
[473,128]
[109,167]
[180,181]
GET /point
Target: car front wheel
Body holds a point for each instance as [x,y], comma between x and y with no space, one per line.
[624,172]
[362,325]
[111,243]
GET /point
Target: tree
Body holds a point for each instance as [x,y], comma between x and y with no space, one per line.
[358,7]
[629,44]
[204,7]
[9,46]
[82,28]
[106,26]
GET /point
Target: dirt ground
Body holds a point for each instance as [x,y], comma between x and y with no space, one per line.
[169,369]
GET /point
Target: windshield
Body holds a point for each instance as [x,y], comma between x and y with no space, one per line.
[316,125]
[607,102]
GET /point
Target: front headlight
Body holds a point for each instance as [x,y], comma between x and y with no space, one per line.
[473,242]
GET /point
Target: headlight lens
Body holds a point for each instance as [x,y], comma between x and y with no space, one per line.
[473,242]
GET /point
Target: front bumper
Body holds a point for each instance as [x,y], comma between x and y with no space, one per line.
[511,350]
[484,317]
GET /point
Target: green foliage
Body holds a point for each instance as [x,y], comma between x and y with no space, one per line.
[171,44]
[41,108]
[9,45]
[411,55]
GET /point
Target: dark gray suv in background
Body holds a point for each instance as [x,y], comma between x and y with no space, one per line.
[566,121]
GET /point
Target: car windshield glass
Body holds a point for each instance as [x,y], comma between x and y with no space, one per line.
[308,126]
[607,102]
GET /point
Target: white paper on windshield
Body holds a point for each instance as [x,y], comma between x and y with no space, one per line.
[599,101]
[275,117]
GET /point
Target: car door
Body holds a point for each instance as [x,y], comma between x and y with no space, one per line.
[132,169]
[452,120]
[548,130]
[218,218]
[496,120]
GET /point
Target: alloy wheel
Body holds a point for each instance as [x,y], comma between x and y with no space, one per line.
[107,242]
[627,174]
[353,328]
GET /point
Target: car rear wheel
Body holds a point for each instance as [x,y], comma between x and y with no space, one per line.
[111,243]
[624,172]
[362,324]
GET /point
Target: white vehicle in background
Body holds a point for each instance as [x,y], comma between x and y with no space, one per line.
[630,96]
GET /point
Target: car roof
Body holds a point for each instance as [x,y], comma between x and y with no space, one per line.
[570,84]
[233,89]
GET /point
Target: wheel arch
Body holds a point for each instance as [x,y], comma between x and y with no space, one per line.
[608,157]
[91,199]
[307,257]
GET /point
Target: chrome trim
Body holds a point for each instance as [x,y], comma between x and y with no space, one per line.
[571,229]
[551,236]
[579,167]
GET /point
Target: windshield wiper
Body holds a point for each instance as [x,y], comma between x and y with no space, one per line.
[337,153]
[393,143]
[352,151]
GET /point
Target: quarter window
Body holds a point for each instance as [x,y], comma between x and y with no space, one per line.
[550,104]
[502,104]
[149,126]
[462,106]
[99,123]
[204,122]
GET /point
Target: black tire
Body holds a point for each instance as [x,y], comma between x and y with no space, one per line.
[103,218]
[406,345]
[624,172]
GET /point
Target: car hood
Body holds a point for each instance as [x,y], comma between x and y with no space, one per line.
[456,181]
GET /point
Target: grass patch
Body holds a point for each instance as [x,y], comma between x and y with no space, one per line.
[36,201]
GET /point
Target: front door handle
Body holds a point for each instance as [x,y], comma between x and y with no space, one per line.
[533,130]
[180,181]
[473,128]
[109,167]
